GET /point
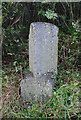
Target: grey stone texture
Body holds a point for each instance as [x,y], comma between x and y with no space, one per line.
[37,89]
[43,48]
[43,56]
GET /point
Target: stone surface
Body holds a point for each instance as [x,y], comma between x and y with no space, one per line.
[43,46]
[43,49]
[37,89]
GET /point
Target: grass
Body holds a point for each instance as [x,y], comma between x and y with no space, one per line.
[64,103]
[65,100]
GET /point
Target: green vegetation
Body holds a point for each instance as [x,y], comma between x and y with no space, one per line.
[65,101]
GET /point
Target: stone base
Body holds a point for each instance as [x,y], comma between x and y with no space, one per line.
[37,89]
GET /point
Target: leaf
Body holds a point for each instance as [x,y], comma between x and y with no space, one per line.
[16,69]
[67,72]
[14,63]
[51,14]
[76,83]
[53,77]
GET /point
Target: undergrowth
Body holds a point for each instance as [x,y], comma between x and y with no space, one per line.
[65,100]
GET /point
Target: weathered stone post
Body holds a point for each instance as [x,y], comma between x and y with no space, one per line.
[43,52]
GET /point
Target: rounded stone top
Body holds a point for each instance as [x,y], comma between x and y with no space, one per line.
[46,24]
